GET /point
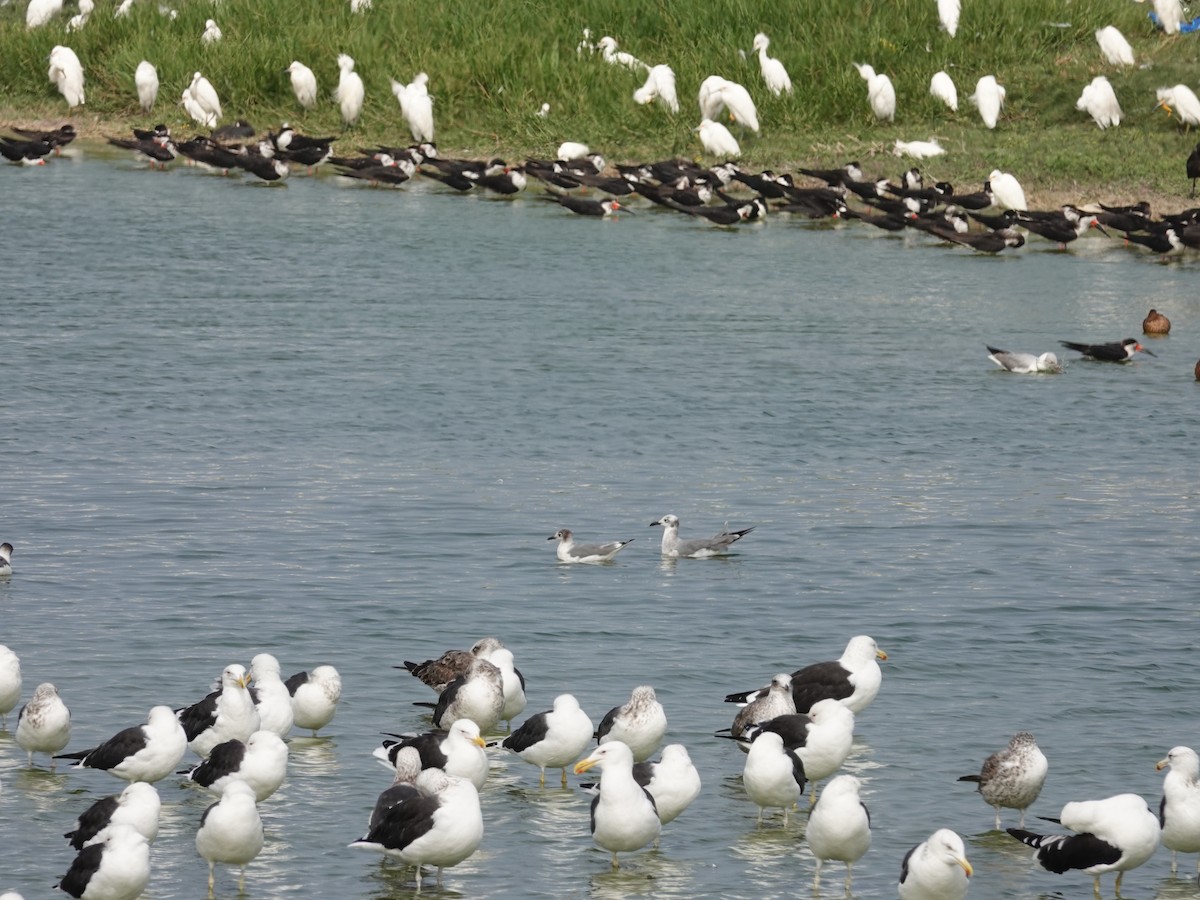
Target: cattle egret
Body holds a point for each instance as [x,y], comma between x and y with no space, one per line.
[615,57]
[717,140]
[145,78]
[67,73]
[304,83]
[1183,102]
[39,12]
[660,86]
[204,95]
[1100,102]
[1006,190]
[359,6]
[919,149]
[737,101]
[1113,45]
[773,72]
[880,93]
[942,87]
[710,97]
[349,93]
[1170,15]
[123,10]
[416,106]
[989,98]
[212,33]
[573,150]
[948,13]
[78,21]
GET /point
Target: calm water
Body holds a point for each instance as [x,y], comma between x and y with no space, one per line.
[338,424]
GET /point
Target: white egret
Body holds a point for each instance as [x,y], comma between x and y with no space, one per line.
[67,73]
[1170,15]
[145,78]
[717,140]
[78,21]
[942,87]
[989,98]
[212,33]
[660,85]
[1006,190]
[1183,102]
[416,106]
[710,97]
[615,57]
[773,72]
[304,83]
[1113,45]
[919,149]
[205,97]
[39,12]
[543,110]
[948,13]
[880,93]
[123,9]
[1099,101]
[349,93]
[359,6]
[193,109]
[573,150]
[737,101]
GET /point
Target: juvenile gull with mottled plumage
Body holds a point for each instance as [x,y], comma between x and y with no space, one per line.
[44,723]
[639,724]
[1013,777]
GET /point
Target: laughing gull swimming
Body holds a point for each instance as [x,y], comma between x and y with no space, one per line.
[571,552]
[696,548]
[1024,363]
[6,552]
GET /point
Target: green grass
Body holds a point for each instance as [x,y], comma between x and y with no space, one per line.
[492,64]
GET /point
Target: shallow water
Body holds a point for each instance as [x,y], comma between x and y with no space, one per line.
[338,424]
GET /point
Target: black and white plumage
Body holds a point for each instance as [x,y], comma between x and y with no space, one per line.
[137,806]
[936,869]
[570,552]
[773,777]
[639,724]
[624,817]
[854,678]
[820,740]
[315,697]
[10,683]
[672,781]
[774,702]
[261,762]
[696,548]
[272,700]
[1013,777]
[1115,834]
[440,827]
[440,673]
[116,868]
[44,723]
[226,713]
[407,766]
[477,695]
[554,738]
[457,751]
[147,752]
[6,552]
[231,832]
[839,826]
[1179,810]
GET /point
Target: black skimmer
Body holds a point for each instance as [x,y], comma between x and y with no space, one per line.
[585,207]
[58,138]
[30,153]
[1193,168]
[240,130]
[1117,351]
[158,152]
[1059,227]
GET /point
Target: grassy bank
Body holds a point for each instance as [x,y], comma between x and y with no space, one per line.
[492,64]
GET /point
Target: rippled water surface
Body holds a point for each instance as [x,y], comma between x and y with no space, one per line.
[338,424]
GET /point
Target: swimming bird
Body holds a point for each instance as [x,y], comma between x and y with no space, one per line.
[456,751]
[440,827]
[315,697]
[936,869]
[205,98]
[717,140]
[989,99]
[1023,364]
[839,826]
[228,712]
[948,14]
[116,868]
[1156,323]
[1115,834]
[10,678]
[272,700]
[1181,101]
[584,207]
[145,79]
[1013,777]
[775,701]
[477,694]
[1114,47]
[1170,15]
[639,724]
[1116,351]
[1007,191]
[942,87]
[66,73]
[349,92]
[696,548]
[260,761]
[1099,101]
[137,806]
[624,817]
[44,723]
[570,552]
[552,739]
[416,106]
[6,552]
[231,832]
[660,86]
[304,83]
[608,50]
[1179,811]
[854,679]
[881,95]
[212,33]
[772,776]
[773,71]
[147,752]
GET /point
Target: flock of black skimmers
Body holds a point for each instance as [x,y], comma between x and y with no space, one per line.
[724,194]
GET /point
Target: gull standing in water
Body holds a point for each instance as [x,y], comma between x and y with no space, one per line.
[1013,777]
[10,675]
[1179,811]
[553,738]
[147,752]
[936,869]
[44,723]
[839,826]
[696,548]
[639,724]
[624,817]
